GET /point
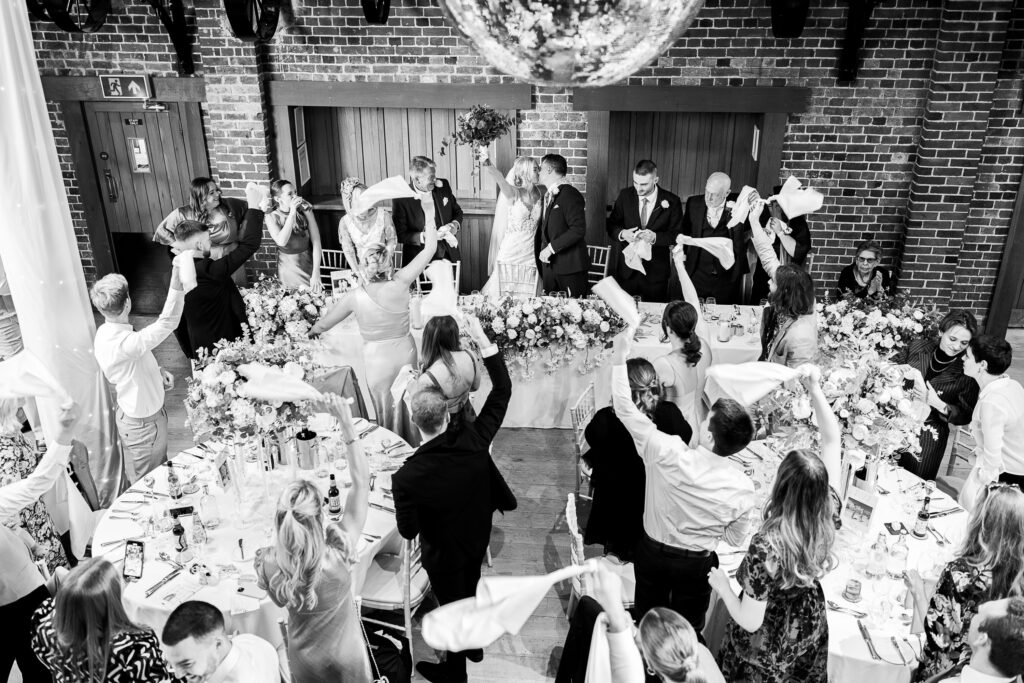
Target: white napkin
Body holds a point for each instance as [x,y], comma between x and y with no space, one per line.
[719,247]
[24,375]
[186,270]
[599,661]
[635,253]
[389,188]
[617,299]
[740,207]
[748,383]
[442,299]
[447,236]
[272,384]
[502,605]
[797,200]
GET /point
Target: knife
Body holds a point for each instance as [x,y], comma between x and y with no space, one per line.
[162,582]
[943,513]
[382,507]
[836,607]
[867,640]
[896,644]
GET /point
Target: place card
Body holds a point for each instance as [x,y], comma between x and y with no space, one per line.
[859,510]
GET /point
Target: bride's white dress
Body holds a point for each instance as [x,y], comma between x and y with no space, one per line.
[517,243]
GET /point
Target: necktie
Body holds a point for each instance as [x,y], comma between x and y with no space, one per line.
[643,214]
[547,205]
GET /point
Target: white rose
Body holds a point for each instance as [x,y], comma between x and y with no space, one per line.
[801,408]
[530,334]
[513,321]
[664,203]
[528,307]
[885,396]
[512,334]
[226,378]
[212,400]
[530,319]
[311,309]
[604,327]
[498,325]
[918,315]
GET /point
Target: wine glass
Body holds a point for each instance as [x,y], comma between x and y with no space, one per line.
[711,308]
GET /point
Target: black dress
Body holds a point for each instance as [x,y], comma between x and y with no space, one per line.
[958,390]
[848,282]
[617,513]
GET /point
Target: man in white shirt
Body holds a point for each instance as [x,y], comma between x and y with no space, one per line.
[998,422]
[125,356]
[996,637]
[199,650]
[694,498]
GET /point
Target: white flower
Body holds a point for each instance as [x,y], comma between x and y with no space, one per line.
[802,408]
[242,410]
[557,331]
[212,400]
[664,203]
[554,190]
[311,309]
[860,432]
[604,327]
[885,396]
[226,378]
[498,325]
[531,319]
[512,321]
[528,307]
[512,334]
[210,373]
[530,334]
[918,315]
[294,369]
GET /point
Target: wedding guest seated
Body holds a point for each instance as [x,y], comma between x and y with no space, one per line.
[84,633]
[779,627]
[996,638]
[694,498]
[434,205]
[950,393]
[292,226]
[864,277]
[357,232]
[308,570]
[22,588]
[998,422]
[617,512]
[989,566]
[125,356]
[449,368]
[198,648]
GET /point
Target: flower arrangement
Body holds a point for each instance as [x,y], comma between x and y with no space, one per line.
[523,328]
[213,401]
[478,128]
[274,310]
[851,326]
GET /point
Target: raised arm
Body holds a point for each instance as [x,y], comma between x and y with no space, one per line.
[830,450]
[627,665]
[281,233]
[409,273]
[648,440]
[762,243]
[690,293]
[358,500]
[16,496]
[248,243]
[492,414]
[503,185]
[148,338]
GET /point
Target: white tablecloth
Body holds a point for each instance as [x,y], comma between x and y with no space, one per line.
[544,401]
[248,614]
[848,658]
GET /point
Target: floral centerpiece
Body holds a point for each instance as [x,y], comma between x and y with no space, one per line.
[852,327]
[478,128]
[277,311]
[214,403]
[550,330]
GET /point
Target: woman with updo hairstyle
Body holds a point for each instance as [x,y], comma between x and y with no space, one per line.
[308,570]
[290,221]
[358,231]
[449,368]
[618,476]
[683,370]
[671,649]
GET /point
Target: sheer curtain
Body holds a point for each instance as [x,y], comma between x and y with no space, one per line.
[40,253]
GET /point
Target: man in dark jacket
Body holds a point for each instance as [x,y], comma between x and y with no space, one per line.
[561,247]
[447,491]
[434,199]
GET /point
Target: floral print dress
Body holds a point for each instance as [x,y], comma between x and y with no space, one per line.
[961,588]
[18,460]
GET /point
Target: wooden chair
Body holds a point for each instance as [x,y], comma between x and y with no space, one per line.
[963,444]
[581,413]
[396,258]
[396,582]
[598,264]
[330,261]
[423,285]
[515,279]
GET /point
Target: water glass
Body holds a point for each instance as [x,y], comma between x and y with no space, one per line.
[711,308]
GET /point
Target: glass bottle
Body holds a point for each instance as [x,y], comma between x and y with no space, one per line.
[199,536]
[333,498]
[898,554]
[181,549]
[921,525]
[879,555]
[209,508]
[173,482]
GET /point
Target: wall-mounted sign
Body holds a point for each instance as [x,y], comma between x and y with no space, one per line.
[133,122]
[139,155]
[126,87]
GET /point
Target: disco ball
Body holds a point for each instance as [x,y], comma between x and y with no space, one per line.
[571,42]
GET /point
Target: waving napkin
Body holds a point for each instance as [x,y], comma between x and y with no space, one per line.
[389,188]
[747,383]
[272,384]
[23,375]
[719,247]
[635,253]
[797,200]
[502,605]
[442,299]
[740,208]
[186,269]
[617,299]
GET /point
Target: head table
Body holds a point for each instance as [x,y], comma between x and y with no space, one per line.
[882,600]
[251,523]
[543,402]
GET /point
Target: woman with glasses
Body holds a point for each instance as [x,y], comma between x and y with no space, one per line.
[864,277]
[989,566]
[943,385]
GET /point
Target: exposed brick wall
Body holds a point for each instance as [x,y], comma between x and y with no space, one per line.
[67,170]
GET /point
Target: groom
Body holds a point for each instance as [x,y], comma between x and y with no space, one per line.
[560,247]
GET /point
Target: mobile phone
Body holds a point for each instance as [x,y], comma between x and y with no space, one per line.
[180,512]
[251,590]
[134,554]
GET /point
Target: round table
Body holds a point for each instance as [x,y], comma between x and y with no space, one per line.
[849,660]
[248,614]
[544,401]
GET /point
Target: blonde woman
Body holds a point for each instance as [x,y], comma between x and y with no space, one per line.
[516,215]
[779,630]
[84,634]
[357,232]
[309,571]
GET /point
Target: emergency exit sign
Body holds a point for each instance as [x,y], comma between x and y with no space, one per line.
[125,87]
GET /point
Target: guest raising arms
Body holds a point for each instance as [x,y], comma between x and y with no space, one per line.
[293,228]
[308,570]
[381,307]
[516,215]
[864,277]
[357,232]
[779,628]
[949,392]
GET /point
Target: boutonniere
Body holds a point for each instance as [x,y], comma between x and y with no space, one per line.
[664,203]
[438,184]
[444,201]
[554,207]
[554,191]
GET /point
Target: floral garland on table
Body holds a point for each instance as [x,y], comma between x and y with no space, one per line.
[213,402]
[851,326]
[276,311]
[481,126]
[527,329]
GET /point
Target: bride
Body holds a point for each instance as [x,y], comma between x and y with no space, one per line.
[515,223]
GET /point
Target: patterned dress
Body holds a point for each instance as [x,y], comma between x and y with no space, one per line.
[135,656]
[961,588]
[792,643]
[18,460]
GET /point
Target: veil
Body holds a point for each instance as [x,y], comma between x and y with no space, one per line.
[501,208]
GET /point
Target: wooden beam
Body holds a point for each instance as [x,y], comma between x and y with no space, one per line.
[284,145]
[87,88]
[398,95]
[597,176]
[1011,271]
[755,99]
[769,157]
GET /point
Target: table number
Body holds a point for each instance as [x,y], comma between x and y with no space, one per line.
[858,510]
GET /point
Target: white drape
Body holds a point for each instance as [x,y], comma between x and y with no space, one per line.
[40,253]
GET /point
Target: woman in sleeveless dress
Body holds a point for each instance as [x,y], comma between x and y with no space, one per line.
[293,228]
[357,232]
[683,370]
[449,369]
[381,307]
[516,215]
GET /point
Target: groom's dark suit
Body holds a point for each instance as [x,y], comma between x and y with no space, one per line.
[563,225]
[664,219]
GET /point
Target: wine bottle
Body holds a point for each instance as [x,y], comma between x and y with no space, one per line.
[921,525]
[173,483]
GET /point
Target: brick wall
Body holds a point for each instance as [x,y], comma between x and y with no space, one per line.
[859,144]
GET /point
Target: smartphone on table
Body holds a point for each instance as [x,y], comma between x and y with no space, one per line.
[134,556]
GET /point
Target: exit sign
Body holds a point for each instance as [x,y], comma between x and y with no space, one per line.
[125,87]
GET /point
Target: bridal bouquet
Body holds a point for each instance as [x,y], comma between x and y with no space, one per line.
[276,311]
[479,128]
[215,404]
[851,327]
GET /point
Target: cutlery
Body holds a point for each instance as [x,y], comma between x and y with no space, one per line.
[382,507]
[867,640]
[122,540]
[910,644]
[881,490]
[196,456]
[155,494]
[162,582]
[896,644]
[127,518]
[163,556]
[836,607]
[373,536]
[366,431]
[943,513]
[943,540]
